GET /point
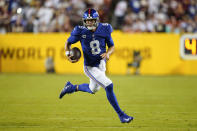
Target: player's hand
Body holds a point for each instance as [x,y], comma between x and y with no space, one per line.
[105,56]
[69,56]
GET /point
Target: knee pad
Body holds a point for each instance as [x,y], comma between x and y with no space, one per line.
[95,88]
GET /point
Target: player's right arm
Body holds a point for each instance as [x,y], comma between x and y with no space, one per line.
[68,50]
[74,37]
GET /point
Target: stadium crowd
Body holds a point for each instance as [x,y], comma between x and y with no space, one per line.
[177,16]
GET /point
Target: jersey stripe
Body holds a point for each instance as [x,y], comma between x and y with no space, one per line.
[89,11]
[92,77]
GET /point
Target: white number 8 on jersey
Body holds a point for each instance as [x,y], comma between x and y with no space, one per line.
[95,47]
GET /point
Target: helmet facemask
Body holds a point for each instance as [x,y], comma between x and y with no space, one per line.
[91,25]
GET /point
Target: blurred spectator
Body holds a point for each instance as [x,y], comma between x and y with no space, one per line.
[4,17]
[119,13]
[177,16]
[45,14]
[29,27]
[17,25]
[49,65]
[135,64]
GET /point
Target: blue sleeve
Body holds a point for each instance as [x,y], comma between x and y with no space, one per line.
[110,29]
[109,39]
[75,35]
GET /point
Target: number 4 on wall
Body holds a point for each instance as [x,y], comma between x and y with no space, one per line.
[191,45]
[188,47]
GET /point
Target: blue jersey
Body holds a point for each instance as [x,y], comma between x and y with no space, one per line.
[93,43]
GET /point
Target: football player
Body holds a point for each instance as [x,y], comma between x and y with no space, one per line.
[94,37]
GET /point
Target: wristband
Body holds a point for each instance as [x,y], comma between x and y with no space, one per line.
[67,53]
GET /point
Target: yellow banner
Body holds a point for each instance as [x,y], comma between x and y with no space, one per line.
[28,53]
[159,54]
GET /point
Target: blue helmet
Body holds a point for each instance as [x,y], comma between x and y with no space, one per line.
[91,14]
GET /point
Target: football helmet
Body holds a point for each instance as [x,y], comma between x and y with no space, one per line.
[90,14]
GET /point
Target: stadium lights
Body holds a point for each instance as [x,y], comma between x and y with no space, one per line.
[19,11]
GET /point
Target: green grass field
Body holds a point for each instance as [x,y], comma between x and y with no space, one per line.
[30,102]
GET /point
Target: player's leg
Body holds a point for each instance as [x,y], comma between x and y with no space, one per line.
[84,88]
[98,75]
[70,88]
[124,118]
[94,87]
[91,88]
[108,85]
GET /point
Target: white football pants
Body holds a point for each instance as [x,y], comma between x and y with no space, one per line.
[97,76]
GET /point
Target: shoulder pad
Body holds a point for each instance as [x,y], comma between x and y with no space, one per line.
[77,30]
[81,27]
[105,24]
[108,27]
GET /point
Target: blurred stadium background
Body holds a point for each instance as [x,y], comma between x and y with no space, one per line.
[153,66]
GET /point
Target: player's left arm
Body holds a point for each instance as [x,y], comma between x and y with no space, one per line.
[109,42]
[110,49]
[108,53]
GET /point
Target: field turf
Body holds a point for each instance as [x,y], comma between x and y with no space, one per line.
[157,103]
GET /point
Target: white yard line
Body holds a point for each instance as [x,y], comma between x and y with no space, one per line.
[93,118]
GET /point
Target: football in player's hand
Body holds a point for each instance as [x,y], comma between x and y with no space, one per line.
[75,54]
